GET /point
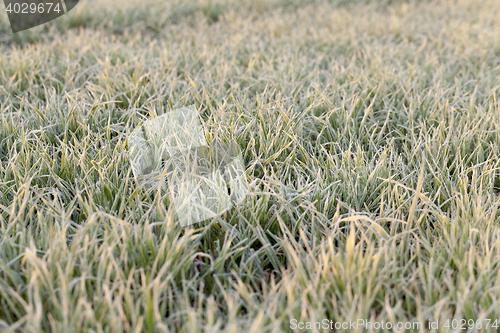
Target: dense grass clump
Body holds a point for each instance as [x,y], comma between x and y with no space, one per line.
[369,131]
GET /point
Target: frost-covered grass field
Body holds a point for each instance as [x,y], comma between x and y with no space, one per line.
[369,132]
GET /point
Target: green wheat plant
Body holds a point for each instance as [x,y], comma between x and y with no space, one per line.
[369,136]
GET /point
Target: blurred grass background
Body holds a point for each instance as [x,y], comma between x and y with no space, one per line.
[369,131]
